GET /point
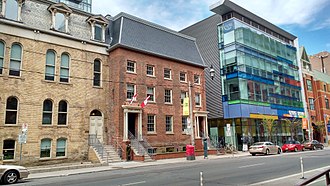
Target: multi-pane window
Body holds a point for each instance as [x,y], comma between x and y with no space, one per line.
[15,60]
[11,111]
[183,77]
[167,73]
[50,65]
[151,123]
[198,99]
[60,147]
[60,22]
[47,112]
[97,73]
[309,84]
[130,91]
[11,9]
[183,95]
[184,122]
[130,66]
[311,103]
[62,113]
[64,69]
[8,151]
[169,123]
[151,93]
[197,79]
[168,96]
[45,148]
[150,70]
[327,106]
[2,55]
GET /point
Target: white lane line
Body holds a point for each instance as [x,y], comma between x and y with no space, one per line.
[292,175]
[251,165]
[134,183]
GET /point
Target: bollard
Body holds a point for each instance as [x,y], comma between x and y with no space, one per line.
[302,168]
[201,178]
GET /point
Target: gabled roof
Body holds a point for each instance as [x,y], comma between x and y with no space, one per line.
[98,19]
[60,7]
[140,35]
[303,54]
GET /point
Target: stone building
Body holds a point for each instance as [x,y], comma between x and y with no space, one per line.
[54,79]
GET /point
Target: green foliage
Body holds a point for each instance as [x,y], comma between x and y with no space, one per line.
[269,124]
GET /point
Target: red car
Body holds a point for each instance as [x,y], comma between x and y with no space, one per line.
[292,146]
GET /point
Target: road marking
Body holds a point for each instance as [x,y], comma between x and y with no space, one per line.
[134,183]
[251,165]
[285,177]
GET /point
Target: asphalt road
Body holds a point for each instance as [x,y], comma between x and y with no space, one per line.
[226,171]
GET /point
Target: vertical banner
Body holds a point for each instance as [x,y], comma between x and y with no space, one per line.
[186,107]
[304,123]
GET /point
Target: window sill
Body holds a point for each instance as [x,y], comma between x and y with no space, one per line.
[10,125]
[129,72]
[65,83]
[184,82]
[97,87]
[168,103]
[168,79]
[151,76]
[169,133]
[62,126]
[152,102]
[151,133]
[15,77]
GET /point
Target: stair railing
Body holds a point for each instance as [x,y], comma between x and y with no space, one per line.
[95,142]
[142,147]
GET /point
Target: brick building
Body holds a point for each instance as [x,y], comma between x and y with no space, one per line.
[317,95]
[54,77]
[321,62]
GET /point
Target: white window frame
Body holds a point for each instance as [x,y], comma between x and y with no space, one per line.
[97,73]
[182,98]
[50,66]
[50,148]
[16,60]
[134,66]
[62,68]
[3,11]
[152,70]
[12,110]
[98,21]
[197,79]
[154,124]
[62,9]
[151,99]
[47,112]
[185,77]
[171,124]
[2,57]
[198,95]
[170,73]
[65,147]
[134,91]
[171,101]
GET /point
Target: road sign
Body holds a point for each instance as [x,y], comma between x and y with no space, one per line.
[24,127]
[22,138]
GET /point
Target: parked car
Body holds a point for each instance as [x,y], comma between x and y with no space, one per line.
[11,173]
[313,145]
[292,146]
[264,148]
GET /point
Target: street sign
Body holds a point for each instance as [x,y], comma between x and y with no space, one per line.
[22,138]
[24,127]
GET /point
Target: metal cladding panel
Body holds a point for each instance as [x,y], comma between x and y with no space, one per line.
[138,34]
[206,34]
[235,111]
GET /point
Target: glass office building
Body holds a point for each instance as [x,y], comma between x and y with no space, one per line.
[260,76]
[84,5]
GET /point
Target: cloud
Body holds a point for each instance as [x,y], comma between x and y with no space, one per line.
[323,24]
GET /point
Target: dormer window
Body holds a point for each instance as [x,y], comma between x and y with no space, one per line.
[98,25]
[11,9]
[60,17]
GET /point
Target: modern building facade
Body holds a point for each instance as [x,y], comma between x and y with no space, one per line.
[317,88]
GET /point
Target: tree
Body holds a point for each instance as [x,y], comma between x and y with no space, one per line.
[269,124]
[293,126]
[320,129]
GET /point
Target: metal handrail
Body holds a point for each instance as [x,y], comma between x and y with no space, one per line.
[95,142]
[315,177]
[141,146]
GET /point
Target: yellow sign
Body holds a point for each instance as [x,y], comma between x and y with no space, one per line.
[261,116]
[304,123]
[185,107]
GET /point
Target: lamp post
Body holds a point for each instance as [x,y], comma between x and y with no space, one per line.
[326,129]
[192,134]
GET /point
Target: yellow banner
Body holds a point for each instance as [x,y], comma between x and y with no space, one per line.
[304,123]
[261,116]
[186,107]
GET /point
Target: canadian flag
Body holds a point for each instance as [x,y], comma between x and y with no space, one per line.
[144,103]
[133,98]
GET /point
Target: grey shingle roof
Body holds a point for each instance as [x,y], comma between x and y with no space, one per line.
[137,34]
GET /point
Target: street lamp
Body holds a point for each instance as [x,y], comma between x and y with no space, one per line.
[212,72]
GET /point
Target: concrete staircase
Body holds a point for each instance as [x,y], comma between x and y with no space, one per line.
[110,154]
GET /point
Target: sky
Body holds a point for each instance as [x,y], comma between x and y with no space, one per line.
[308,20]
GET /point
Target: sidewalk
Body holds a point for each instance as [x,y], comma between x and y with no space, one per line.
[72,169]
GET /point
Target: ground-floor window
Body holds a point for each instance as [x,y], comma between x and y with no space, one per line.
[45,148]
[8,149]
[60,147]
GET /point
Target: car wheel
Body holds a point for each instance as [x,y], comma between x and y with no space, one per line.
[321,147]
[267,152]
[314,148]
[303,149]
[253,154]
[10,177]
[279,151]
[295,149]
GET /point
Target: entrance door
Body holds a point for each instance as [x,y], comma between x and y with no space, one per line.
[131,124]
[96,127]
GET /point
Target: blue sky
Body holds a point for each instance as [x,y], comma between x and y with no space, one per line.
[309,20]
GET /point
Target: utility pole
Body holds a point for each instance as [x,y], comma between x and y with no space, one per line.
[191,116]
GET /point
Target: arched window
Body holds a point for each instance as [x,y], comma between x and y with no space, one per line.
[45,148]
[47,114]
[2,55]
[97,73]
[15,60]
[64,70]
[62,113]
[96,113]
[8,149]
[11,111]
[11,9]
[60,22]
[61,147]
[50,65]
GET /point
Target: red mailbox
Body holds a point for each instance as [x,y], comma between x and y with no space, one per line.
[190,152]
